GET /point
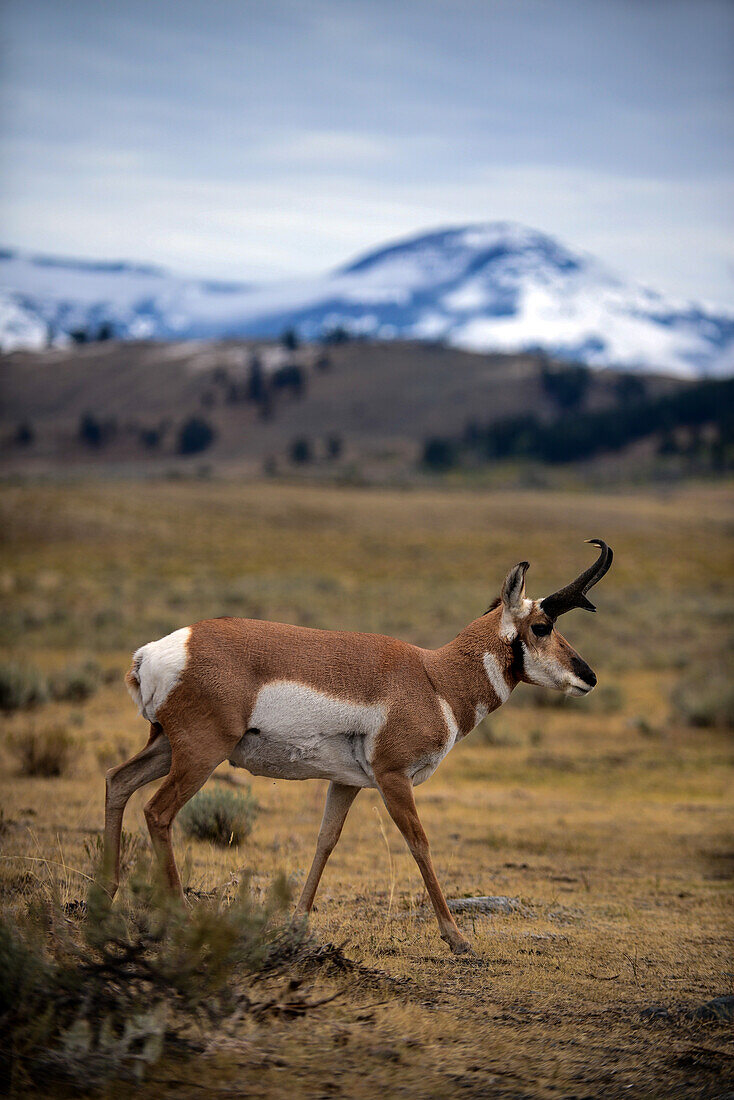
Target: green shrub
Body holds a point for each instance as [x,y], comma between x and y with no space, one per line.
[703,699]
[221,816]
[643,726]
[94,1003]
[527,695]
[76,683]
[21,686]
[44,753]
[491,732]
[605,699]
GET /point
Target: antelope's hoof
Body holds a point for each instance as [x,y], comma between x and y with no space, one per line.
[461,947]
[108,884]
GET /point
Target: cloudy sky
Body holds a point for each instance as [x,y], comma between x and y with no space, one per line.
[263,138]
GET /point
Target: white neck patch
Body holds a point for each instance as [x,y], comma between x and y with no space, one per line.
[496,677]
[451,724]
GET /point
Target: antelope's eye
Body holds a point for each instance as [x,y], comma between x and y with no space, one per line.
[541,629]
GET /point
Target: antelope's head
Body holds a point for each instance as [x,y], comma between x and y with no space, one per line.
[541,655]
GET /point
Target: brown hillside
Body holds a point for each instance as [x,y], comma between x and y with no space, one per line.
[381,400]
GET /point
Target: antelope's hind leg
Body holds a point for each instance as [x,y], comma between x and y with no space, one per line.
[194,758]
[152,762]
[397,792]
[339,798]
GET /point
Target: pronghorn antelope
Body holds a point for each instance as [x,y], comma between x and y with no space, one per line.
[361,710]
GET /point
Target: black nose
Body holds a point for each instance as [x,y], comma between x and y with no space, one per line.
[583,671]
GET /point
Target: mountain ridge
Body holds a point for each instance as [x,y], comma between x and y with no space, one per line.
[495,286]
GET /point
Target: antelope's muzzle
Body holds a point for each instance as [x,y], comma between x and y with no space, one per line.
[584,672]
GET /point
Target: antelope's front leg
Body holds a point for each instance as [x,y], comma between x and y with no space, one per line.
[397,792]
[338,800]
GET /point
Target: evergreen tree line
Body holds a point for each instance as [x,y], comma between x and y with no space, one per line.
[577,435]
[192,436]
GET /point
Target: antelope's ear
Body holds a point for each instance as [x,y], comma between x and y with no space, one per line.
[513,590]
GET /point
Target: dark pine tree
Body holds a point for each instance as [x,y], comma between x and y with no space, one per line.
[195,436]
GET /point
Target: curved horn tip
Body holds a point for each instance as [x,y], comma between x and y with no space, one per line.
[605,549]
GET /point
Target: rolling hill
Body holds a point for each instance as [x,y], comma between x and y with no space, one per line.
[357,409]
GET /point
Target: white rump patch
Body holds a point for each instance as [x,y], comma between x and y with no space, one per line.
[480,714]
[297,732]
[496,677]
[159,666]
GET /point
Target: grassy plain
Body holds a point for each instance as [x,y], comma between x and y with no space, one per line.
[610,819]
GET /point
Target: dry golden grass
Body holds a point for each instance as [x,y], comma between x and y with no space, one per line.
[612,824]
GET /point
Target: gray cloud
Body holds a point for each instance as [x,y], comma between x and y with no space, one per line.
[250,138]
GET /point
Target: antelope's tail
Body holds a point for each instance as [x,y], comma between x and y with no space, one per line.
[132,680]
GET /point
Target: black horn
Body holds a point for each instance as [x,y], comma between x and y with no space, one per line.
[574,594]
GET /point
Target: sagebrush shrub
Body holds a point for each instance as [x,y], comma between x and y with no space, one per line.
[544,698]
[221,816]
[606,699]
[75,683]
[98,1002]
[704,699]
[21,686]
[44,753]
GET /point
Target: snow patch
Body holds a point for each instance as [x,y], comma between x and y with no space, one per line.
[494,287]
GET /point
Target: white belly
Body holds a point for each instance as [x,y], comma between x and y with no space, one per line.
[296,732]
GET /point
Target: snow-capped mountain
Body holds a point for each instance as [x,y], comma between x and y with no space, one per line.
[136,301]
[20,327]
[494,287]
